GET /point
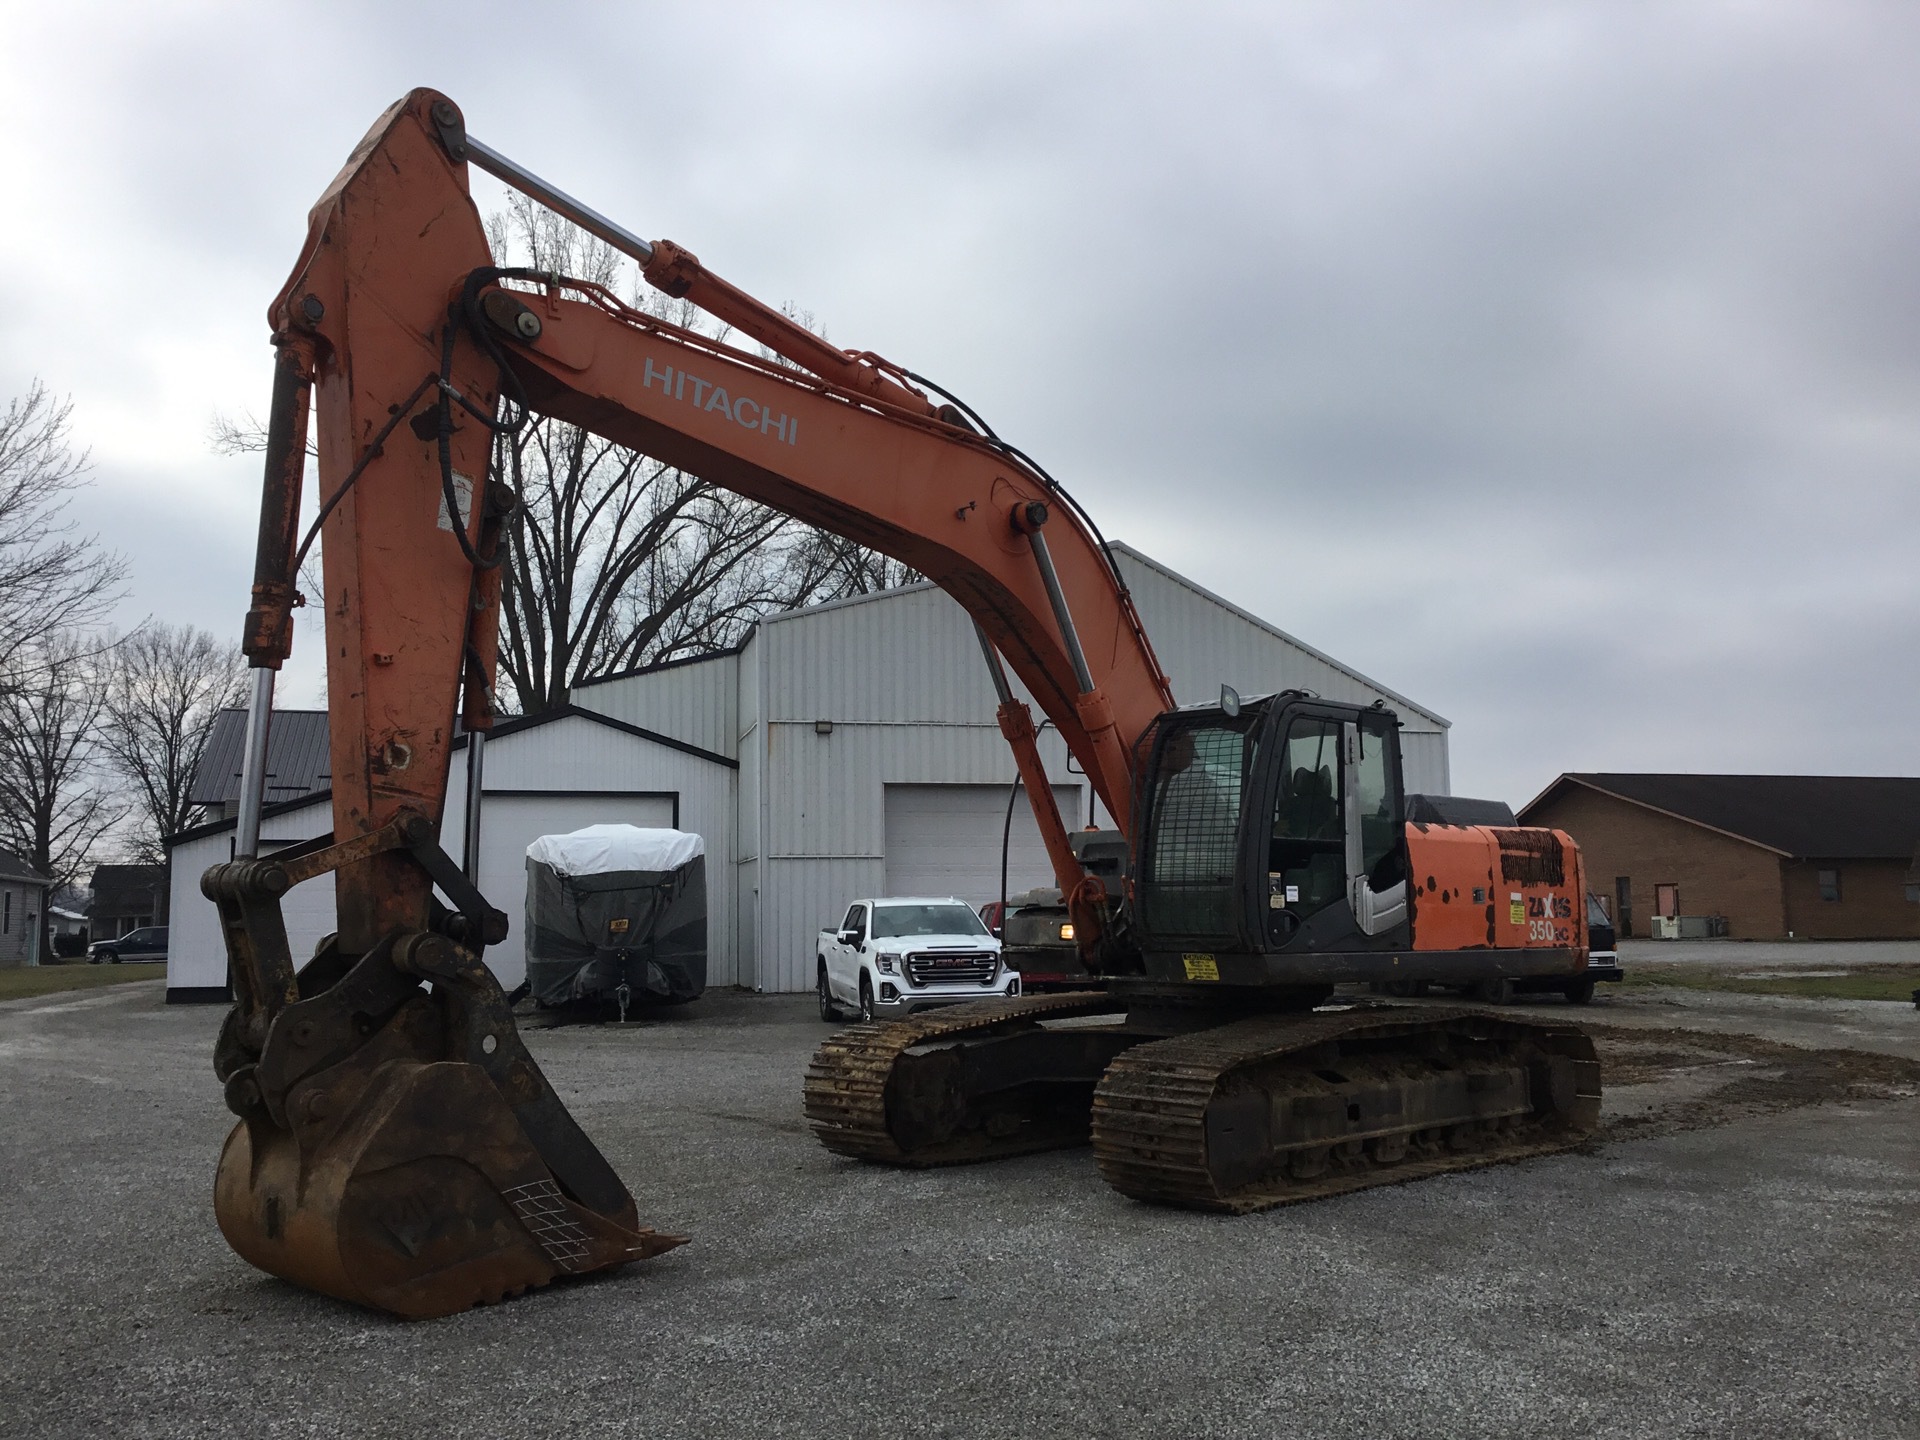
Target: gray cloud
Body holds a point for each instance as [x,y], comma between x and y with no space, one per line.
[1556,366]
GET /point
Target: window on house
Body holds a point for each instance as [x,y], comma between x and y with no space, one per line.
[6,919]
[1829,884]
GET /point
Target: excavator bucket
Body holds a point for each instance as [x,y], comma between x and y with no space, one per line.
[397,1145]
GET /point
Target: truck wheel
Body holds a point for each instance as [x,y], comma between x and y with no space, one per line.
[1579,992]
[112,957]
[829,1011]
[1498,991]
[866,998]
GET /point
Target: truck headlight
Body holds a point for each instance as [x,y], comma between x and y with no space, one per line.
[885,962]
[1066,932]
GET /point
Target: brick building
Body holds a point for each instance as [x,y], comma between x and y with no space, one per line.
[1815,857]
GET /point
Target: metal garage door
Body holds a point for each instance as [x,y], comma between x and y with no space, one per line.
[945,840]
[510,823]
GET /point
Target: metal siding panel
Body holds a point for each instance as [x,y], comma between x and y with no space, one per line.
[698,702]
[1423,762]
[907,655]
[196,955]
[800,900]
[945,840]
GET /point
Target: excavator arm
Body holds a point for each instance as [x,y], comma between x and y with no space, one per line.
[396,275]
[392,1127]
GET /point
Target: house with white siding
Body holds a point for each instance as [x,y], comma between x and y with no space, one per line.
[843,750]
[23,901]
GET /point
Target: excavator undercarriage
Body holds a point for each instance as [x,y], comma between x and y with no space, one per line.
[1223,1114]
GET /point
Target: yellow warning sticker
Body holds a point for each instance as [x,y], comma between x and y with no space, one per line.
[1517,910]
[1201,967]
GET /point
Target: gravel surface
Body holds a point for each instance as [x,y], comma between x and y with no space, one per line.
[1751,1278]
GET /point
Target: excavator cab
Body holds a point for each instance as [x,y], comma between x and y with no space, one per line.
[1274,831]
[1275,855]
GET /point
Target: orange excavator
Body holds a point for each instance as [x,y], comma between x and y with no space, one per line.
[398,1146]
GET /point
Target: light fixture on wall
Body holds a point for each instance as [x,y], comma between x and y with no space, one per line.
[823,727]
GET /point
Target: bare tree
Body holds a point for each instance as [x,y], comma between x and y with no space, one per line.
[51,577]
[163,688]
[53,809]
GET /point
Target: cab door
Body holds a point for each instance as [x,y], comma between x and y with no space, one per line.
[1376,842]
[1306,845]
[1336,849]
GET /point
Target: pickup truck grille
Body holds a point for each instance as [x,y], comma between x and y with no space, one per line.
[952,967]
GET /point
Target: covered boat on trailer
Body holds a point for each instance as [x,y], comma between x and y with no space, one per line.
[617,913]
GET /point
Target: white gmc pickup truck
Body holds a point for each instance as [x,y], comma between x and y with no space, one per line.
[892,957]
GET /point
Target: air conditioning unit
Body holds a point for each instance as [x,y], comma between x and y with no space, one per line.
[1666,927]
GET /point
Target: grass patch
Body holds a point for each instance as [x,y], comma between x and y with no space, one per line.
[1864,982]
[24,981]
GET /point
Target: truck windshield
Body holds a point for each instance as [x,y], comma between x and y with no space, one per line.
[949,919]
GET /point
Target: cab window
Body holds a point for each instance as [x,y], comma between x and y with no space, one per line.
[1195,824]
[1306,857]
[1377,797]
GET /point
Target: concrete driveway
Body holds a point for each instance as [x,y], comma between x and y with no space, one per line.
[1754,1274]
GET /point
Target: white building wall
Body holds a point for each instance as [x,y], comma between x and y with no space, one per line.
[196,953]
[697,701]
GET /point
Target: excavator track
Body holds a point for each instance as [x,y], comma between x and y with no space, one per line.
[1280,1109]
[979,1081]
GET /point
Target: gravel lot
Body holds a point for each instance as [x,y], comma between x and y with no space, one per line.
[1733,1269]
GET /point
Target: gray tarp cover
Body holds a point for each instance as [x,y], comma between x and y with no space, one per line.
[588,933]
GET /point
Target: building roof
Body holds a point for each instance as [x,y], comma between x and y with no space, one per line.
[126,889]
[1803,817]
[504,729]
[920,587]
[297,761]
[18,867]
[513,726]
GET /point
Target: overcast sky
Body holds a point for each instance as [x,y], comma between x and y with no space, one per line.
[1556,365]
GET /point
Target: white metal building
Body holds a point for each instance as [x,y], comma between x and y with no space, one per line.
[871,762]
[844,750]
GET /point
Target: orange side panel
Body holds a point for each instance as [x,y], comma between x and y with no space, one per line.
[1477,887]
